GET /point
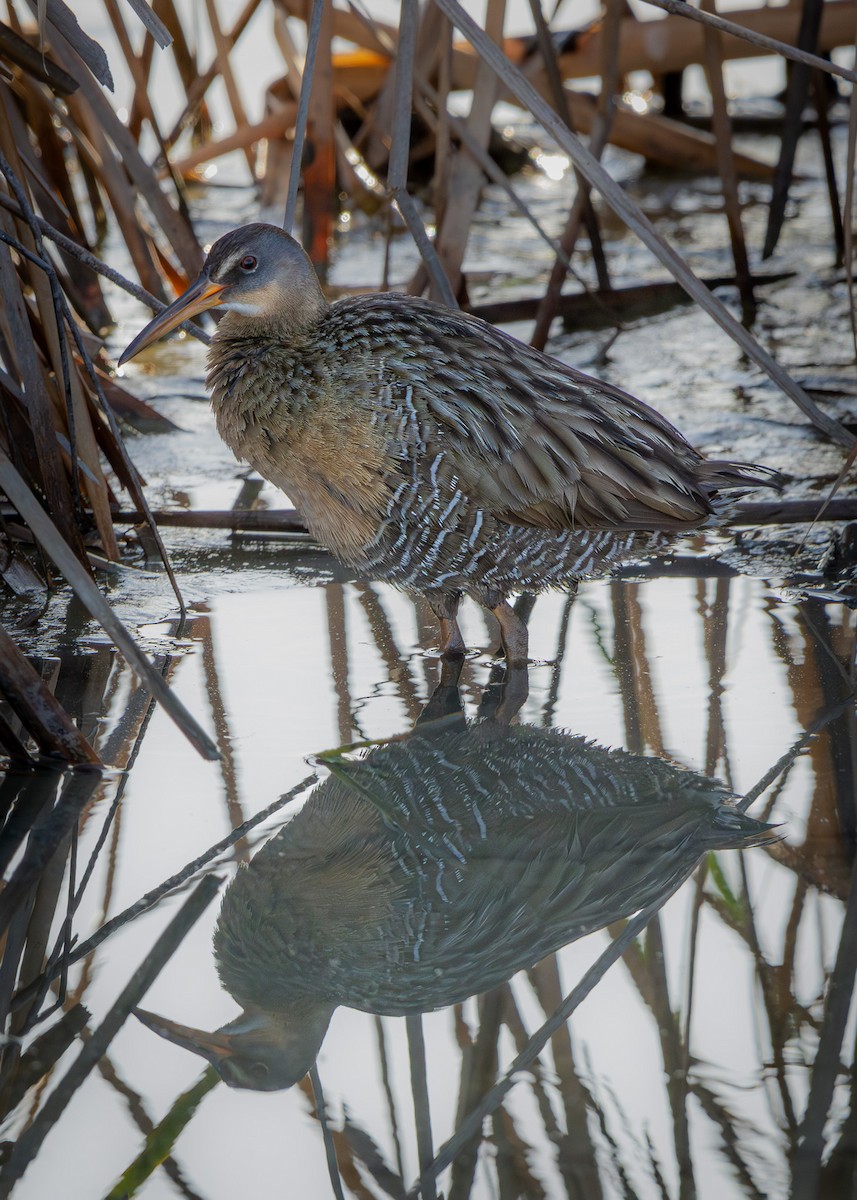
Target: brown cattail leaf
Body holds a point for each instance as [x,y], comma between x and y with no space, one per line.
[93,481]
[53,476]
[18,574]
[50,332]
[45,152]
[177,280]
[49,182]
[16,429]
[94,196]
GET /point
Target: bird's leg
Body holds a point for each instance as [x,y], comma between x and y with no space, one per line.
[444,605]
[445,700]
[513,634]
[505,694]
[515,689]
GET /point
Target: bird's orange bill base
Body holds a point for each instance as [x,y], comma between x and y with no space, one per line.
[199,296]
[213,1046]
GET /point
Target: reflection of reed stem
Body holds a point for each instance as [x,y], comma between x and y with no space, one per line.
[422,1105]
[779,1023]
[201,631]
[478,1070]
[810,1136]
[785,760]
[329,1147]
[388,1094]
[335,597]
[715,626]
[576,1152]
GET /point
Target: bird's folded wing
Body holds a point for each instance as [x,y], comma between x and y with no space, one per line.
[537,443]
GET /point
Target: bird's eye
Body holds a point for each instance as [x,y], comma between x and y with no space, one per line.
[248,263]
[259,1070]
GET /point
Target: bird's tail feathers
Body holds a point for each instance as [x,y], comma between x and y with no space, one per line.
[733,829]
[725,474]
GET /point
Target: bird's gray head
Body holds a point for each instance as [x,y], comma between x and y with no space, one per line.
[262,272]
[258,273]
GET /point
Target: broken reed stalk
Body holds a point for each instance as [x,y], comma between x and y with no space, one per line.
[848,209]
[559,98]
[464,179]
[319,167]
[199,81]
[797,92]
[222,49]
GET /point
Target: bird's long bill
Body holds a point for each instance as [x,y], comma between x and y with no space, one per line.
[199,296]
[214,1046]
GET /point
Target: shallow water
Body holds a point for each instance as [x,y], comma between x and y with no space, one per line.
[715,1059]
[712,1090]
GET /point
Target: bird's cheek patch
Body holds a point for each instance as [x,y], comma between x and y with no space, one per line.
[247,308]
[263,301]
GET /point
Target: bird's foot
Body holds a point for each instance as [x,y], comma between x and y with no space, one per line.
[513,635]
[451,641]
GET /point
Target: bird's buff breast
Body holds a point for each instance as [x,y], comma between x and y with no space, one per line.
[289,425]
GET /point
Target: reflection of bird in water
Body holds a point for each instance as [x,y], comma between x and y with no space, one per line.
[427,448]
[434,869]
